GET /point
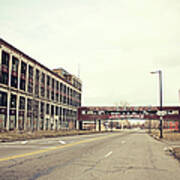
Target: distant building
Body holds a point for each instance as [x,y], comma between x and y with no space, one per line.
[75,81]
[33,97]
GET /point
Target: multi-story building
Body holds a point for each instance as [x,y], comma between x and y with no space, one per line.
[33,97]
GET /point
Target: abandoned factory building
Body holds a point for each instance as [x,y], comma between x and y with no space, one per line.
[33,97]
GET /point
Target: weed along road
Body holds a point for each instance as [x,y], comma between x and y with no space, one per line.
[127,155]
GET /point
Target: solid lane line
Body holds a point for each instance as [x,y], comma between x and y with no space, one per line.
[54,148]
[62,142]
[108,154]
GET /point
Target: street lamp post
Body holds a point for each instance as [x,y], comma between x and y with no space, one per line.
[160,100]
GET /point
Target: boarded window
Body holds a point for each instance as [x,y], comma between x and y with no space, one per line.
[3,99]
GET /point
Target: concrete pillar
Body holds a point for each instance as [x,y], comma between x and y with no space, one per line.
[10,69]
[33,94]
[77,124]
[17,99]
[99,125]
[44,120]
[8,109]
[45,86]
[27,77]
[9,94]
[34,79]
[19,73]
[39,116]
[40,75]
[69,96]
[49,117]
[25,114]
[17,111]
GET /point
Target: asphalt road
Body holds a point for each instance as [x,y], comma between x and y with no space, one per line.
[129,155]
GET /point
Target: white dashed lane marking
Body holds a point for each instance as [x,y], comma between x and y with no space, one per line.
[108,154]
[62,142]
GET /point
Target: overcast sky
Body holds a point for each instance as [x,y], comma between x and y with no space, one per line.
[117,43]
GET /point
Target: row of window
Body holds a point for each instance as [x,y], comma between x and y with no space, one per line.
[41,85]
[33,106]
[77,84]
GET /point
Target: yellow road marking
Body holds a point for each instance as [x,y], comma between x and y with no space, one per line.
[53,148]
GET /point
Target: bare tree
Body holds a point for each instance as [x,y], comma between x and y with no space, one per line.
[123,104]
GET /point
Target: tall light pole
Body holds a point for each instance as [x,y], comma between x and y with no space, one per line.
[160,100]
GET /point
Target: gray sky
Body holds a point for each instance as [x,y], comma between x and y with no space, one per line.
[116,42]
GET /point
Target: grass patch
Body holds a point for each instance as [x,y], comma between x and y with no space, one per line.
[177,152]
[19,136]
[169,135]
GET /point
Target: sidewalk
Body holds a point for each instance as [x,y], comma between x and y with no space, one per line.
[21,136]
[172,139]
[171,143]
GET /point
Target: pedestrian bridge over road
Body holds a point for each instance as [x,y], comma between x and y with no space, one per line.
[93,113]
[97,115]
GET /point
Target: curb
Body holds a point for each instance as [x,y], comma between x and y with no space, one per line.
[52,136]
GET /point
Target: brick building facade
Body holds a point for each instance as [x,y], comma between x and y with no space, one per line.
[33,97]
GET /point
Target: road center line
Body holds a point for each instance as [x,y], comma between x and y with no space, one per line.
[108,154]
[54,148]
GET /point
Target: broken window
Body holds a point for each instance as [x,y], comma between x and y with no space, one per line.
[57,110]
[42,107]
[52,110]
[52,90]
[5,58]
[3,99]
[22,103]
[48,84]
[29,104]
[14,73]
[30,80]
[23,68]
[23,85]
[42,84]
[13,101]
[4,71]
[47,108]
[37,84]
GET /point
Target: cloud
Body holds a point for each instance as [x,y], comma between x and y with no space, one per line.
[168,57]
[169,62]
[117,43]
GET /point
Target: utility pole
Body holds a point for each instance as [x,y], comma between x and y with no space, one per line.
[160,101]
[149,126]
